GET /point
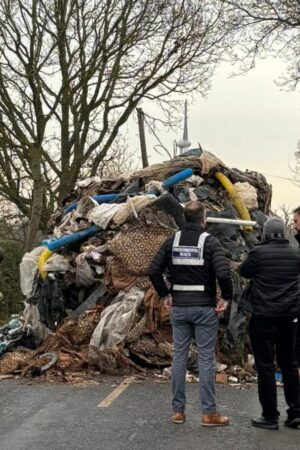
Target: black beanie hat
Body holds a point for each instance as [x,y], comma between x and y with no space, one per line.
[273,228]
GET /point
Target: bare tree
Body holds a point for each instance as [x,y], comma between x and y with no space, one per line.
[263,28]
[13,224]
[285,213]
[73,71]
[295,166]
[118,160]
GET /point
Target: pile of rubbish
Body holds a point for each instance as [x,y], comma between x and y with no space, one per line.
[89,302]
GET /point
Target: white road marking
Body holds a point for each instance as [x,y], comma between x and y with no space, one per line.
[116,392]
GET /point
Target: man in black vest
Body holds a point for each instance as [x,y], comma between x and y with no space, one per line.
[297,237]
[274,268]
[194,260]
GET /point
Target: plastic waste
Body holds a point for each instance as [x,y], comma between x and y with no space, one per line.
[14,323]
[278,376]
[192,152]
[3,347]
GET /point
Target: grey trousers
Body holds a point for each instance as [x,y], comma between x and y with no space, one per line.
[201,322]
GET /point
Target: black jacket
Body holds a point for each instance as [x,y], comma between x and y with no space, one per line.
[297,237]
[215,266]
[274,268]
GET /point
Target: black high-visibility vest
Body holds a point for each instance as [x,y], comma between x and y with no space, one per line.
[188,255]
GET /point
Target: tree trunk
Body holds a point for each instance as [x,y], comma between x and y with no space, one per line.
[37,201]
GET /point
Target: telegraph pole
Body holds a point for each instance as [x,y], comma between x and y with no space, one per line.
[140,115]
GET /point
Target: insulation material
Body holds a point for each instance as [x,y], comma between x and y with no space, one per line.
[134,204]
[248,194]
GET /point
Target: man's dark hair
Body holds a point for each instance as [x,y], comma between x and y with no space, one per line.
[297,210]
[194,212]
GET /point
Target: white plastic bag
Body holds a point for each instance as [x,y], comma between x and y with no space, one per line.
[28,269]
[57,263]
[101,215]
[84,273]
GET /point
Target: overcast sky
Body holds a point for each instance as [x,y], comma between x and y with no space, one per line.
[249,123]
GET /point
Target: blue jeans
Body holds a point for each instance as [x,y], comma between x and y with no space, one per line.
[201,322]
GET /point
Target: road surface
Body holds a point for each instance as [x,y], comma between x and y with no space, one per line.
[115,416]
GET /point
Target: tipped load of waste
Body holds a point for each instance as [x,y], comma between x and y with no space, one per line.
[89,302]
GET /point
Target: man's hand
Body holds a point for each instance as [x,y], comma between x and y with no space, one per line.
[168,302]
[221,306]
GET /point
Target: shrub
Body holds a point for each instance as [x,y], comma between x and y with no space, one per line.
[11,300]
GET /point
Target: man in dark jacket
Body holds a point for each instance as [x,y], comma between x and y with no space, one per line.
[274,267]
[194,260]
[297,237]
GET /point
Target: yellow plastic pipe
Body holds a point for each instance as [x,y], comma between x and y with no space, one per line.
[237,201]
[42,260]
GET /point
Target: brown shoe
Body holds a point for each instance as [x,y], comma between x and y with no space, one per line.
[214,420]
[178,417]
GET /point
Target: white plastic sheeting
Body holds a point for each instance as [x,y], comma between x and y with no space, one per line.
[117,319]
[101,215]
[28,270]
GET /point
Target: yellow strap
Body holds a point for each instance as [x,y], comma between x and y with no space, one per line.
[42,261]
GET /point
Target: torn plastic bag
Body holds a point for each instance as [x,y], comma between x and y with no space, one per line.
[153,216]
[168,203]
[134,187]
[209,161]
[101,215]
[154,187]
[233,342]
[57,263]
[182,193]
[32,320]
[85,205]
[84,273]
[28,270]
[117,319]
[206,193]
[192,152]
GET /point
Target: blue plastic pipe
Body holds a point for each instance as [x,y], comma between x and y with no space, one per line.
[107,198]
[101,198]
[71,238]
[180,176]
